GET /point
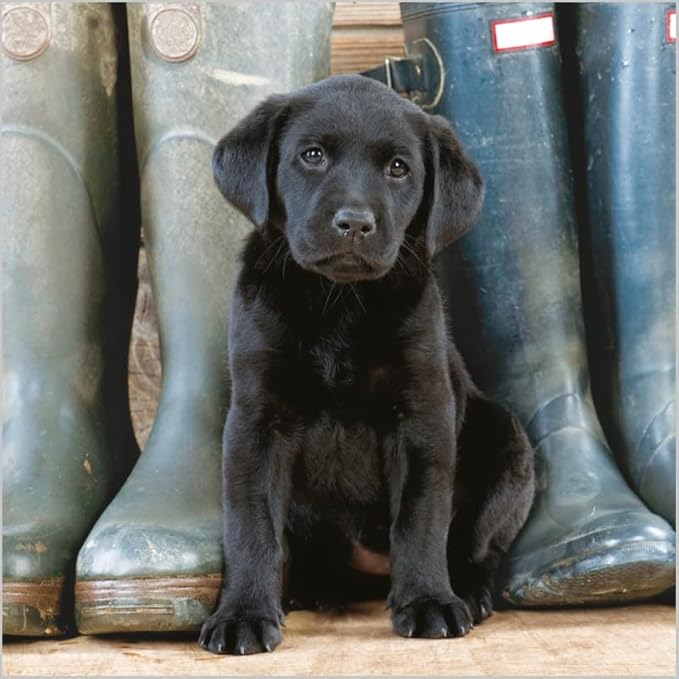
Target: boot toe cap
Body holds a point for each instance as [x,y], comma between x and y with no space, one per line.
[618,556]
[37,564]
[146,551]
[147,579]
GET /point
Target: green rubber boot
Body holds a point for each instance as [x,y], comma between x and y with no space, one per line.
[153,562]
[68,295]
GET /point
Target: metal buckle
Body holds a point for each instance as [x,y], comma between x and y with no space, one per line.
[387,70]
[413,78]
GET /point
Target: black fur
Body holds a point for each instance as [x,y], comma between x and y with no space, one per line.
[353,419]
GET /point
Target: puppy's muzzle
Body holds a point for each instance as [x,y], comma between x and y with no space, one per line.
[354,223]
[352,247]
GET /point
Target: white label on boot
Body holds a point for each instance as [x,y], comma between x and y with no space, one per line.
[671,32]
[519,34]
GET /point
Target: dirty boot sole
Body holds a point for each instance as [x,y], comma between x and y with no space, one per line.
[162,604]
[578,575]
[34,608]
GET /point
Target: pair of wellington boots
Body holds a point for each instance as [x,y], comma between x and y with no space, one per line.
[514,285]
[74,77]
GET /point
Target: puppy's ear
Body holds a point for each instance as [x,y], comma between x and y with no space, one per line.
[455,187]
[243,160]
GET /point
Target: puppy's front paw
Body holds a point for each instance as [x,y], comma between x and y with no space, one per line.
[480,604]
[239,634]
[432,619]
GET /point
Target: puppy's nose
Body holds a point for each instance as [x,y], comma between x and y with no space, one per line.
[358,222]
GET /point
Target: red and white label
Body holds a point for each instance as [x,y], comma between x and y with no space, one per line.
[519,34]
[671,32]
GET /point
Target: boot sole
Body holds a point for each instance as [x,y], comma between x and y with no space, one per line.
[623,574]
[151,604]
[34,608]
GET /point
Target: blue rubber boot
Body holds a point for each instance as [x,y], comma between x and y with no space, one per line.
[513,291]
[627,81]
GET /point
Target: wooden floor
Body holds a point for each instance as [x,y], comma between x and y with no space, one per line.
[634,640]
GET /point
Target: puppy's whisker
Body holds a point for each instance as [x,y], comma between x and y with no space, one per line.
[409,264]
[273,260]
[268,253]
[412,250]
[402,262]
[325,306]
[267,249]
[338,297]
[281,256]
[285,262]
[358,298]
[340,291]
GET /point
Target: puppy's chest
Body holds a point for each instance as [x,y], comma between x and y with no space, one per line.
[353,405]
[342,461]
[365,380]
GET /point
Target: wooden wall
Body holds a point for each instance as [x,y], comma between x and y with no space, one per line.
[363,35]
[144,362]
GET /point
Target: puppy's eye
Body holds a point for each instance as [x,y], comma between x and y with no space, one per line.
[313,155]
[398,168]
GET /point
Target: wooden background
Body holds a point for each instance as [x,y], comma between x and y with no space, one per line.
[363,35]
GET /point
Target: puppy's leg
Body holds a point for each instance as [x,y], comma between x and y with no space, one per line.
[422,600]
[257,481]
[494,492]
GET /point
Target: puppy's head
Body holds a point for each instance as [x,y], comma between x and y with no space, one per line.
[348,170]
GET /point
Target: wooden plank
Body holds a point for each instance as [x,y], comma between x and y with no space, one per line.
[626,641]
[370,14]
[355,50]
[144,366]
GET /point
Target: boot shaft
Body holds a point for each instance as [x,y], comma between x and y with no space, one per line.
[68,256]
[628,88]
[512,284]
[196,70]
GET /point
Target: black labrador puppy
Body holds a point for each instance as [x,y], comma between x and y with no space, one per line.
[353,422]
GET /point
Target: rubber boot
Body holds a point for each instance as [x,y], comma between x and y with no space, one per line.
[154,560]
[513,291]
[627,79]
[69,263]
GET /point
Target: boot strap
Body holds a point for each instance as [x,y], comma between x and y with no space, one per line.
[419,75]
[403,74]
